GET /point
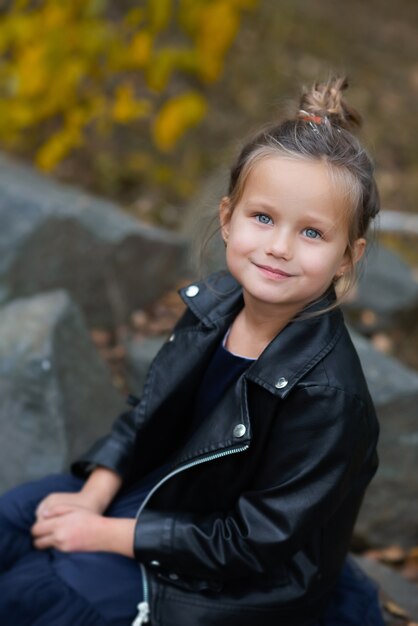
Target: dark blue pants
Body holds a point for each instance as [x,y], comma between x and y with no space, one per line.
[52,588]
[355,601]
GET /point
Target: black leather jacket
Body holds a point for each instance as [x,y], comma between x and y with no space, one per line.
[253,522]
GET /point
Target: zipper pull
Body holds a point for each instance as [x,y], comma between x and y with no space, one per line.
[143,614]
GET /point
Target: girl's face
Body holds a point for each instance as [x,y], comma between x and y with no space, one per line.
[287,236]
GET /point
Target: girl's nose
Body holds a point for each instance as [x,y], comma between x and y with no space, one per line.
[280,244]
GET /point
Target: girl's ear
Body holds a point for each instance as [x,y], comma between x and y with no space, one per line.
[225,212]
[350,260]
[358,249]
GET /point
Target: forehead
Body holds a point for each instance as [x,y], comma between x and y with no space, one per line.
[299,181]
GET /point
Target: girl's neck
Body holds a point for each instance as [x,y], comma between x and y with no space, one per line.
[254,328]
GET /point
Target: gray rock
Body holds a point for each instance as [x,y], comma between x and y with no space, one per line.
[399,222]
[139,354]
[55,236]
[56,393]
[390,509]
[388,288]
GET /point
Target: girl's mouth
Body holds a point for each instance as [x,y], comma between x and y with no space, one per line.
[272,272]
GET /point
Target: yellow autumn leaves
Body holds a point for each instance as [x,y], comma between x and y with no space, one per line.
[69,70]
[176,116]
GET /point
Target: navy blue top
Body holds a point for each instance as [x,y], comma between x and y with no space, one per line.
[223,370]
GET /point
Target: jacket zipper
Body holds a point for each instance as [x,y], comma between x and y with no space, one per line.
[144,607]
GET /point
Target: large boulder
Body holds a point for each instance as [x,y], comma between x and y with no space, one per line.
[386,294]
[399,222]
[56,393]
[390,509]
[55,236]
[139,355]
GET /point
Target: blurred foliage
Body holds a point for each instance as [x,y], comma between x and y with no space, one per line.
[286,45]
[76,72]
[135,76]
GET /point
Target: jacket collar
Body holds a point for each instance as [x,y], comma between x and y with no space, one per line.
[292,354]
[214,299]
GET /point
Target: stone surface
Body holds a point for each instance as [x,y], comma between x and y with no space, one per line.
[139,354]
[55,236]
[387,288]
[398,222]
[56,393]
[390,510]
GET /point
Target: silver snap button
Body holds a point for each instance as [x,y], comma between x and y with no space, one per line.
[239,430]
[155,564]
[173,576]
[192,291]
[282,382]
[172,337]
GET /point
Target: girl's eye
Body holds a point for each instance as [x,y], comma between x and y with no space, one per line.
[312,233]
[263,218]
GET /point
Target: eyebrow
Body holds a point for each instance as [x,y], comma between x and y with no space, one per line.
[323,221]
[255,204]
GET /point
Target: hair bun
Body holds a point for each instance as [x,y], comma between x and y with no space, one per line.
[325,101]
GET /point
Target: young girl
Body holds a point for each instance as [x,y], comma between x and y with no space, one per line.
[228,494]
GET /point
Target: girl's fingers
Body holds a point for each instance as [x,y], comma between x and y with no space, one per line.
[43,534]
[41,509]
[42,512]
[47,526]
[44,507]
[55,511]
[42,543]
[69,530]
[41,529]
[56,499]
[60,509]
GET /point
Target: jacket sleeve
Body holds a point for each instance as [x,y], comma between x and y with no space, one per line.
[312,460]
[114,451]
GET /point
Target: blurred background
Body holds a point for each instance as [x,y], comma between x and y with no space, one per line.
[141,106]
[140,101]
[146,103]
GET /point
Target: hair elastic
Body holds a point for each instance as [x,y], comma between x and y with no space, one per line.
[313,120]
[310,117]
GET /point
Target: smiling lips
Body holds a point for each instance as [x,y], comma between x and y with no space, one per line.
[271,272]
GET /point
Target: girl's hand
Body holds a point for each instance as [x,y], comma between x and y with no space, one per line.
[81,530]
[70,501]
[68,529]
[96,495]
